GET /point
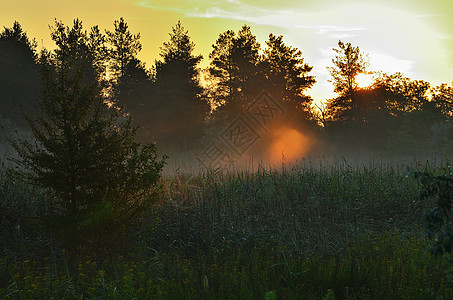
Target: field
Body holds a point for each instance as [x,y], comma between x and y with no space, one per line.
[312,231]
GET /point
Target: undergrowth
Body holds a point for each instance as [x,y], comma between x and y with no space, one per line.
[307,232]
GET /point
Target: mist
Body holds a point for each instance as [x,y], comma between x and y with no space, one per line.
[248,108]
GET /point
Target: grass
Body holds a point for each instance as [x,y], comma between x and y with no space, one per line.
[311,231]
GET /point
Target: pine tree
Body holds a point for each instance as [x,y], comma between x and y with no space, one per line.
[19,74]
[99,178]
[177,92]
[235,68]
[124,47]
[129,79]
[287,73]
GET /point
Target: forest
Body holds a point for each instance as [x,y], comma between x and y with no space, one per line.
[172,181]
[182,108]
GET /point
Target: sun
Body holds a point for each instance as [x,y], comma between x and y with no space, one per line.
[364,80]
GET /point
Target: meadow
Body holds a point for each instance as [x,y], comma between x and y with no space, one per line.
[315,230]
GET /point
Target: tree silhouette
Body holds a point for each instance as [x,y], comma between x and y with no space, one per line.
[235,63]
[221,69]
[85,154]
[124,48]
[97,45]
[132,91]
[19,74]
[442,95]
[178,112]
[287,73]
[403,94]
[413,113]
[345,119]
[129,78]
[348,63]
[75,47]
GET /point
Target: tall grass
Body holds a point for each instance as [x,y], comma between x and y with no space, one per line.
[311,231]
[308,209]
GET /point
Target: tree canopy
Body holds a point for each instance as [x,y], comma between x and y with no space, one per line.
[84,153]
[19,75]
[177,103]
[177,93]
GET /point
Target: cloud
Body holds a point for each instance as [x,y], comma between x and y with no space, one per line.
[229,9]
[392,64]
[398,37]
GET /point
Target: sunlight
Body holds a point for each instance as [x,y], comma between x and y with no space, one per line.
[364,80]
[288,145]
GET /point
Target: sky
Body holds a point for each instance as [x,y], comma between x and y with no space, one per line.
[414,37]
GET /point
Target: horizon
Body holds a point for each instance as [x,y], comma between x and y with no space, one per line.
[389,32]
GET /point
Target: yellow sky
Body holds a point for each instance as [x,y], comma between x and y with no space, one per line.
[411,36]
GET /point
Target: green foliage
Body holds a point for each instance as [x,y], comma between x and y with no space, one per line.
[338,231]
[270,296]
[439,223]
[393,268]
[99,178]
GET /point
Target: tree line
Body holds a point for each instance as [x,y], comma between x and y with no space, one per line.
[176,103]
[94,111]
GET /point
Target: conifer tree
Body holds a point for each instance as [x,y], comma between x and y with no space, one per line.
[177,92]
[129,79]
[235,61]
[98,177]
[287,73]
[19,74]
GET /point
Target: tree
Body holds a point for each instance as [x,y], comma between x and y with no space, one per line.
[234,67]
[221,69]
[129,78]
[245,54]
[403,94]
[124,48]
[348,63]
[442,95]
[97,45]
[19,74]
[345,118]
[415,115]
[99,178]
[176,92]
[77,48]
[287,73]
[132,91]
